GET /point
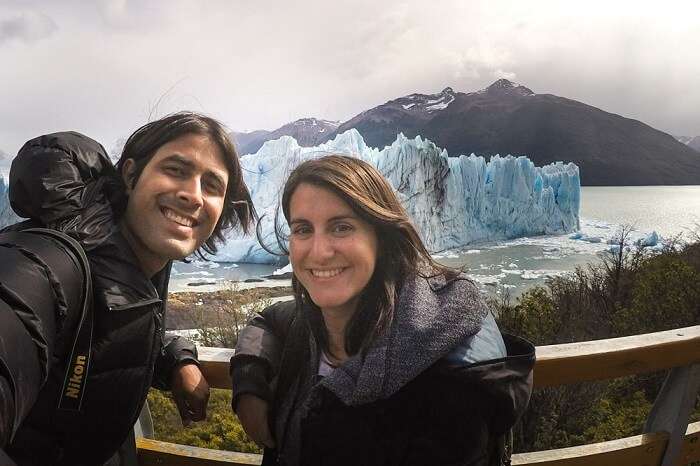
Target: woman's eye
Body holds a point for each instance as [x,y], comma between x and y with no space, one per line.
[301,231]
[343,228]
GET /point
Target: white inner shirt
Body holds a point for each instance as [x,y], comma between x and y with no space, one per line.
[325,367]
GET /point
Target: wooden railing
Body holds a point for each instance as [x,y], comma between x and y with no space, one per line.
[667,439]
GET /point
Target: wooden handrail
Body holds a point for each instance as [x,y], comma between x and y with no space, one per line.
[558,364]
[616,357]
[215,365]
[640,450]
[155,452]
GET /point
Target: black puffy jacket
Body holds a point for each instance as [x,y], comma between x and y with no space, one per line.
[441,387]
[65,181]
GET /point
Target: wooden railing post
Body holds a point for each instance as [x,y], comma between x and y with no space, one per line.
[672,408]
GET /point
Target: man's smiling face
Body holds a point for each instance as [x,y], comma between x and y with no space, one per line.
[176,201]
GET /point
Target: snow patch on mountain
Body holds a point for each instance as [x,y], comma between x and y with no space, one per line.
[427,103]
[315,122]
[691,141]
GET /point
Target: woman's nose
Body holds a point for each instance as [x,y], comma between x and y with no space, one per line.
[322,247]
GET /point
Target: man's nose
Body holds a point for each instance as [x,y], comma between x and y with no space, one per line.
[190,192]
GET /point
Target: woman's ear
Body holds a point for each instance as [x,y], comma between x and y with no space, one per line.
[128,172]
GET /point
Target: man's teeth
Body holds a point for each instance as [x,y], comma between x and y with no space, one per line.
[325,273]
[184,221]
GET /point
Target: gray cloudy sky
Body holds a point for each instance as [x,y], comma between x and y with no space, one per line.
[106,67]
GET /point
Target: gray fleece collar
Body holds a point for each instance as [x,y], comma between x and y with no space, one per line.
[432,317]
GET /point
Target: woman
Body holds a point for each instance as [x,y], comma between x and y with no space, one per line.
[384,356]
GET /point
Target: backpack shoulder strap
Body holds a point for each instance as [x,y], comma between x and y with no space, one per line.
[78,363]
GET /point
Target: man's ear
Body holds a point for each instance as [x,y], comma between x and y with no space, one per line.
[128,173]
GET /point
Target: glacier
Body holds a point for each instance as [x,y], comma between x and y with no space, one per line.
[7,215]
[453,201]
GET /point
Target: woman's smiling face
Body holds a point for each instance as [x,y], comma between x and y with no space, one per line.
[332,250]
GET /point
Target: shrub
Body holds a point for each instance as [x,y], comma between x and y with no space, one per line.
[631,292]
[221,430]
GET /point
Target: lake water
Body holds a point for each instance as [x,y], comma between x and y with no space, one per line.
[670,210]
[510,267]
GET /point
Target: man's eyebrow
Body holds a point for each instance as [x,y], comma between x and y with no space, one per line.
[180,159]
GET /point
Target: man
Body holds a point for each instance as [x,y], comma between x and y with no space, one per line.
[177,188]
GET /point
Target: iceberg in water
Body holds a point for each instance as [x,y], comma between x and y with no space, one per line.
[453,201]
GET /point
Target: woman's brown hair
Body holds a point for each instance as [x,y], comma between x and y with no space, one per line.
[401,250]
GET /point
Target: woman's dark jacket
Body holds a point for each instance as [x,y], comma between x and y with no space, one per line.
[66,182]
[439,388]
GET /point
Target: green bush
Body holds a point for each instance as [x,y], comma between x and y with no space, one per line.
[221,430]
[666,295]
[630,292]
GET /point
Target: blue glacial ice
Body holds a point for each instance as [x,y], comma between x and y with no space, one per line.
[453,201]
[7,215]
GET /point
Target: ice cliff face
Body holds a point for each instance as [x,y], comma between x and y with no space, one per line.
[7,215]
[453,201]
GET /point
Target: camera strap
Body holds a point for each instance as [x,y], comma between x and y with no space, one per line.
[78,364]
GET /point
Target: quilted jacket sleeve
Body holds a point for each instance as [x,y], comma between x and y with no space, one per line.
[176,350]
[259,351]
[39,281]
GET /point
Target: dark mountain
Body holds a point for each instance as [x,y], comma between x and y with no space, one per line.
[690,141]
[307,131]
[252,139]
[507,118]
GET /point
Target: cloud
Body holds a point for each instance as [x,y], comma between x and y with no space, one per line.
[260,63]
[500,74]
[131,16]
[27,27]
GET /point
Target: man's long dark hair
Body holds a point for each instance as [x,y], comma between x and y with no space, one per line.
[401,253]
[144,142]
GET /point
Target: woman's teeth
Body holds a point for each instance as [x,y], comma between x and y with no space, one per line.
[325,273]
